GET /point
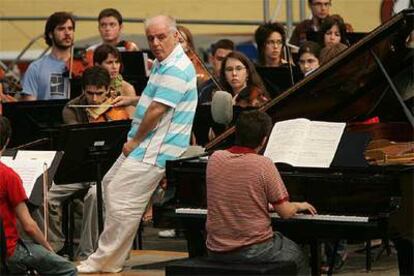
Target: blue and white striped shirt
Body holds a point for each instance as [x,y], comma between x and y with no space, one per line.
[172,82]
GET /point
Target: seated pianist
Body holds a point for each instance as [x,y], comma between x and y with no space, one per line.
[240,186]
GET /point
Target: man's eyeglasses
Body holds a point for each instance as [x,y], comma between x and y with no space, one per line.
[320,4]
[231,69]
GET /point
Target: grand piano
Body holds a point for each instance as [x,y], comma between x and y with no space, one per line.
[355,200]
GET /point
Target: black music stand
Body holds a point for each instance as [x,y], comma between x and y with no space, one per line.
[90,150]
[134,69]
[278,79]
[31,120]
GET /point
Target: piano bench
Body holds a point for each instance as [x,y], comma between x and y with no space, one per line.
[202,266]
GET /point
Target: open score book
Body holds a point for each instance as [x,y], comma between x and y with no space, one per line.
[304,143]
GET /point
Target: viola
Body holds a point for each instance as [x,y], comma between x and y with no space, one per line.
[77,64]
[106,112]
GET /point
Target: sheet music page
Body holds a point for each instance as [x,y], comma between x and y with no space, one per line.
[286,139]
[6,159]
[304,143]
[320,145]
[28,170]
[39,155]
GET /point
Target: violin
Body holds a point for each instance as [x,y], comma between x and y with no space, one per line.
[106,112]
[77,64]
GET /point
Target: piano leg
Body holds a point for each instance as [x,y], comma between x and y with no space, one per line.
[194,234]
[315,248]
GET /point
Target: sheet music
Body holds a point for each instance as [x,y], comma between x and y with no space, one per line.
[304,143]
[28,170]
[6,159]
[40,155]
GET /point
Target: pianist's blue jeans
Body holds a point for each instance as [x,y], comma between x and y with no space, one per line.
[29,255]
[279,248]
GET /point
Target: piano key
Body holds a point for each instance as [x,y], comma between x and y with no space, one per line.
[341,218]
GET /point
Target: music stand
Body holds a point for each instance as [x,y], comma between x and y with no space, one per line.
[31,120]
[134,70]
[278,79]
[90,150]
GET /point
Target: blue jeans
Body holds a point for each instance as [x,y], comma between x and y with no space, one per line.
[279,248]
[34,256]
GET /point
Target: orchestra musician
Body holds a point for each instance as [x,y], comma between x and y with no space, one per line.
[187,42]
[309,57]
[47,78]
[219,50]
[160,131]
[333,31]
[109,58]
[241,184]
[110,25]
[239,77]
[320,11]
[270,39]
[24,255]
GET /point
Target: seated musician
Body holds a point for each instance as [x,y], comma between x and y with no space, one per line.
[21,256]
[96,92]
[270,39]
[108,57]
[333,31]
[240,185]
[239,77]
[309,57]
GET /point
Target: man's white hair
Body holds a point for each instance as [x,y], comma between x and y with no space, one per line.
[169,20]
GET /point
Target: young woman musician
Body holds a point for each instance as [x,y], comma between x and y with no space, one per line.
[239,77]
[108,57]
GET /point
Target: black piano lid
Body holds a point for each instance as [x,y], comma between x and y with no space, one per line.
[351,87]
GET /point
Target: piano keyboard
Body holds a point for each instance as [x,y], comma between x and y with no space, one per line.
[191,211]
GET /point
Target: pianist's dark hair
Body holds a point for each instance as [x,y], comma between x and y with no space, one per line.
[251,127]
[262,33]
[110,12]
[56,19]
[97,76]
[328,23]
[5,131]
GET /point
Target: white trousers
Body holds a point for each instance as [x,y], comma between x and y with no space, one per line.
[128,187]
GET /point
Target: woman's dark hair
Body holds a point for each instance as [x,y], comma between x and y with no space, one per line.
[262,34]
[56,19]
[328,23]
[184,30]
[102,52]
[5,131]
[252,127]
[310,47]
[253,78]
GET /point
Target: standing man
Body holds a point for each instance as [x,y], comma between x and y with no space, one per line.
[110,28]
[24,255]
[240,186]
[320,10]
[45,79]
[160,131]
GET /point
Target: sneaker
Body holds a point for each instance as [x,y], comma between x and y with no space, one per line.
[170,233]
[86,269]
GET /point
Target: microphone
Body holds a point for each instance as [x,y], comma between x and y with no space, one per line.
[222,107]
